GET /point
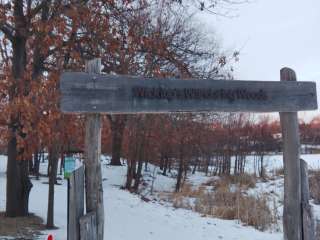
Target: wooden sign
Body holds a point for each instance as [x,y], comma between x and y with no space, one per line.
[94,93]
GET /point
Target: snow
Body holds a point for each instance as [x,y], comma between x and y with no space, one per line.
[129,217]
[274,162]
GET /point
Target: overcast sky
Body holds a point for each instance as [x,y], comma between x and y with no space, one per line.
[272,34]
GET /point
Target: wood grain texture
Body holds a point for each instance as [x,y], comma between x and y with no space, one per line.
[94,93]
[308,226]
[75,203]
[88,227]
[94,190]
[292,223]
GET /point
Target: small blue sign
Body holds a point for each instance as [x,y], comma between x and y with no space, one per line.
[69,166]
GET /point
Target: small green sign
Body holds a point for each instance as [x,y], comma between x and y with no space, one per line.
[69,166]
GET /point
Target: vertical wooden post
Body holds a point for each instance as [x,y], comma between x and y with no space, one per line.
[88,226]
[292,224]
[308,227]
[94,190]
[75,203]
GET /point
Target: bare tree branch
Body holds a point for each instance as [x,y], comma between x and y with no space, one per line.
[7,30]
[38,8]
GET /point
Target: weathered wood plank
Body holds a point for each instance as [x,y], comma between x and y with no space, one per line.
[94,93]
[292,224]
[88,227]
[308,226]
[75,203]
[94,190]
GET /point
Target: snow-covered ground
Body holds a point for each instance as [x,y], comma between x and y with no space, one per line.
[129,217]
[274,162]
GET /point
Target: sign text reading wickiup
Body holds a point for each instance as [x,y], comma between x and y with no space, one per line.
[90,93]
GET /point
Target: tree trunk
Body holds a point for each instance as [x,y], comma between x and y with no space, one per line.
[42,156]
[118,123]
[36,160]
[138,176]
[236,165]
[207,165]
[165,167]
[180,170]
[31,166]
[169,165]
[61,163]
[161,164]
[53,166]
[195,166]
[179,177]
[146,165]
[129,176]
[18,182]
[140,163]
[261,166]
[185,171]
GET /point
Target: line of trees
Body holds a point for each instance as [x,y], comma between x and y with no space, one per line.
[41,38]
[188,143]
[216,144]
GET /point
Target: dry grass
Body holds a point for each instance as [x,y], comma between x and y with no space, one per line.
[244,181]
[180,199]
[226,204]
[314,183]
[188,191]
[21,227]
[228,200]
[279,171]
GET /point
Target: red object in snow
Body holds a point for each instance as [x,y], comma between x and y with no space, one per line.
[50,237]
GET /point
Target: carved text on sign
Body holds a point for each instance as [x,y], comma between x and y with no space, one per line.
[169,94]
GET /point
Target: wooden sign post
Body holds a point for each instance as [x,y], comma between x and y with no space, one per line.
[92,162]
[94,94]
[291,161]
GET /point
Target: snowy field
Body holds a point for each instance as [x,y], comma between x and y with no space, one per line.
[274,162]
[128,217]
